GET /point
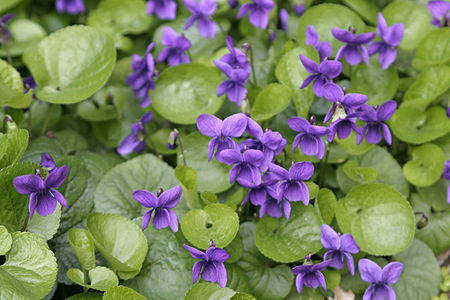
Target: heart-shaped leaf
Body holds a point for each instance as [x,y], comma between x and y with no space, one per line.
[426,165]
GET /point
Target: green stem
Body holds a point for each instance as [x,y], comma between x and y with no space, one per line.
[182,150]
[25,224]
[253,66]
[5,119]
[47,119]
[8,53]
[29,122]
[153,145]
[323,166]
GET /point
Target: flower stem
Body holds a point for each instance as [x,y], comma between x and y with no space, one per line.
[323,166]
[253,66]
[8,53]
[25,224]
[182,150]
[47,119]
[29,122]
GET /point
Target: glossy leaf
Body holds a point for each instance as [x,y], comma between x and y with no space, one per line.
[7,4]
[350,146]
[24,34]
[122,293]
[45,227]
[83,246]
[326,204]
[12,146]
[12,88]
[5,240]
[426,165]
[209,291]
[365,9]
[272,100]
[433,50]
[187,177]
[359,174]
[101,278]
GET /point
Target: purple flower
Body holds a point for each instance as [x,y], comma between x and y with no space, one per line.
[299,9]
[161,205]
[48,162]
[354,50]
[338,247]
[379,279]
[374,126]
[135,141]
[236,58]
[5,35]
[446,175]
[391,37]
[43,196]
[342,127]
[245,165]
[258,193]
[235,86]
[28,84]
[164,9]
[323,48]
[72,7]
[172,141]
[259,12]
[310,275]
[321,74]
[284,17]
[211,266]
[201,13]
[309,138]
[233,3]
[221,131]
[441,13]
[176,46]
[141,80]
[343,104]
[292,186]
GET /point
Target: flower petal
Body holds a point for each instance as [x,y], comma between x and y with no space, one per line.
[146,219]
[161,219]
[301,171]
[343,35]
[229,156]
[386,110]
[253,157]
[60,198]
[27,184]
[56,178]
[194,252]
[209,125]
[196,270]
[221,272]
[365,38]
[387,57]
[329,238]
[170,198]
[217,254]
[331,68]
[310,65]
[370,271]
[46,204]
[348,244]
[386,133]
[298,124]
[391,272]
[145,198]
[234,125]
[173,222]
[394,35]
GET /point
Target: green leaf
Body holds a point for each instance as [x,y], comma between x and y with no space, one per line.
[7,4]
[188,180]
[417,260]
[106,104]
[428,86]
[114,193]
[83,246]
[66,73]
[234,249]
[426,165]
[120,241]
[13,206]
[326,203]
[5,240]
[167,270]
[417,127]
[209,198]
[212,176]
[435,195]
[366,9]
[290,240]
[350,146]
[335,16]
[332,278]
[101,278]
[122,293]
[86,296]
[45,227]
[415,18]
[12,146]
[236,278]
[272,100]
[184,92]
[159,140]
[379,85]
[217,222]
[12,88]
[242,296]
[359,174]
[24,34]
[209,291]
[434,50]
[29,271]
[435,233]
[378,217]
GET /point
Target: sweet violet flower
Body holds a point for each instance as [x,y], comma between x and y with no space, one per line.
[379,279]
[343,127]
[211,266]
[5,34]
[234,87]
[338,247]
[135,141]
[284,17]
[374,126]
[236,58]
[354,50]
[258,193]
[259,12]
[321,74]
[43,196]
[441,13]
[48,162]
[310,275]
[201,13]
[446,175]
[175,48]
[141,80]
[28,84]
[391,38]
[299,9]
[72,7]
[323,48]
[164,9]
[343,104]
[245,165]
[233,3]
[221,131]
[161,205]
[309,138]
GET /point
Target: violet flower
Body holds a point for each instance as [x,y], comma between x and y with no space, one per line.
[236,58]
[141,80]
[309,138]
[5,34]
[235,86]
[354,50]
[446,175]
[43,196]
[374,126]
[310,275]
[245,165]
[441,13]
[299,9]
[135,141]
[48,162]
[221,131]
[343,104]
[284,17]
[201,13]
[379,279]
[258,193]
[323,48]
[391,38]
[343,128]
[161,205]
[72,7]
[28,84]
[233,3]
[292,186]
[211,266]
[164,9]
[321,74]
[259,12]
[338,247]
[176,46]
